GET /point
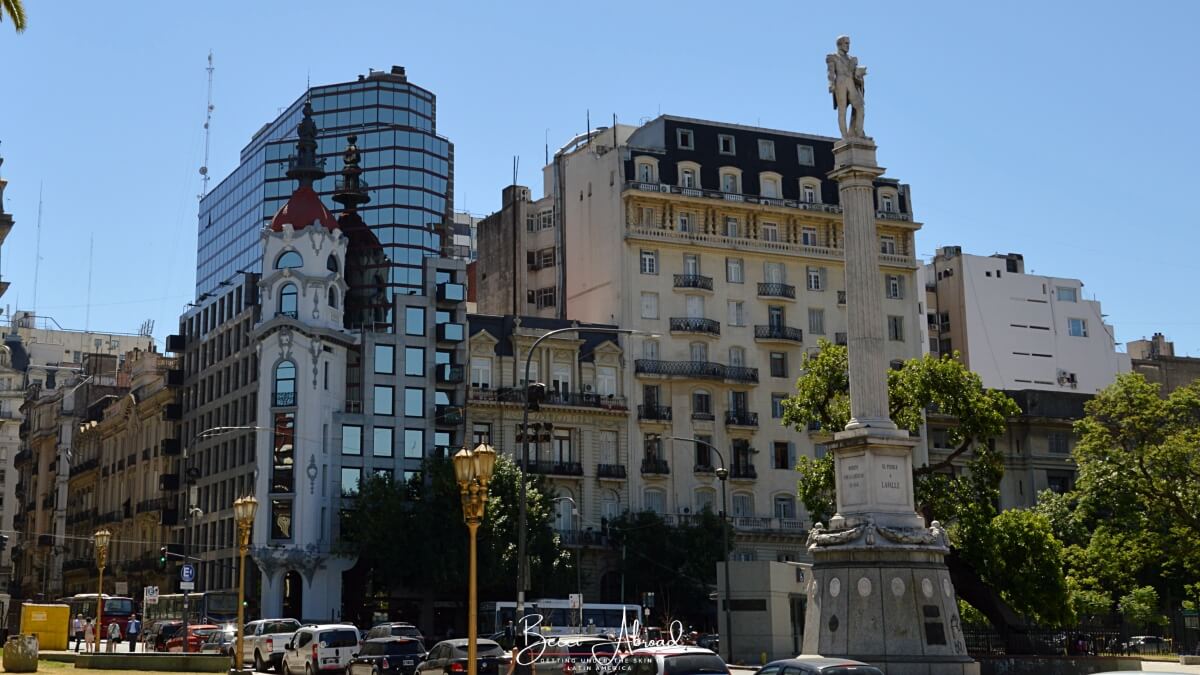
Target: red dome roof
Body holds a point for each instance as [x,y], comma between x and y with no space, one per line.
[302,210]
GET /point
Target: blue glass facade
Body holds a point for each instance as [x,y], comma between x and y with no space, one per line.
[409,170]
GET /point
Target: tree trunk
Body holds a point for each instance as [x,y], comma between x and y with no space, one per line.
[978,594]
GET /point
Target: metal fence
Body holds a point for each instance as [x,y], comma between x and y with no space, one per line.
[1181,635]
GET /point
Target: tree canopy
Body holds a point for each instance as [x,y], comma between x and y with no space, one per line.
[15,9]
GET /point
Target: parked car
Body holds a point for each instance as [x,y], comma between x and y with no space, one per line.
[449,657]
[196,635]
[157,634]
[1147,644]
[322,647]
[711,641]
[264,641]
[577,654]
[387,655]
[396,629]
[221,642]
[818,665]
[674,660]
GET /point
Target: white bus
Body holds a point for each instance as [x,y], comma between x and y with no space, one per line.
[556,617]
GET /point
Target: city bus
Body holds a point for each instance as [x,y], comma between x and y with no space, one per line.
[558,618]
[116,608]
[211,607]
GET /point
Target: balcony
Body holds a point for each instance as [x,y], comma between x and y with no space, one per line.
[741,418]
[171,447]
[704,468]
[448,415]
[554,468]
[284,399]
[893,215]
[655,467]
[773,332]
[694,281]
[451,332]
[175,377]
[776,290]
[765,524]
[587,537]
[695,325]
[654,413]
[22,457]
[290,314]
[697,370]
[85,516]
[612,471]
[451,293]
[85,466]
[448,373]
[575,399]
[176,343]
[743,472]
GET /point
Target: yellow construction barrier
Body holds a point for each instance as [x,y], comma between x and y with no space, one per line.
[50,623]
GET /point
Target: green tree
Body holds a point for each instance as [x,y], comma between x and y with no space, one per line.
[992,552]
[15,9]
[1140,607]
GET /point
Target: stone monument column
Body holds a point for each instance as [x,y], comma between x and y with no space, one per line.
[880,591]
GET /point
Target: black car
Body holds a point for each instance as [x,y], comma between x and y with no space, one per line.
[395,629]
[449,657]
[387,655]
[156,636]
[816,665]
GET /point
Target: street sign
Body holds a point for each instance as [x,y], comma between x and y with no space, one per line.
[187,585]
[150,595]
[187,573]
[575,600]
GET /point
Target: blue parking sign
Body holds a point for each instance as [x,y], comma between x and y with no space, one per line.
[187,572]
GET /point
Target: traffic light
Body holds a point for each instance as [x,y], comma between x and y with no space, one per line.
[162,558]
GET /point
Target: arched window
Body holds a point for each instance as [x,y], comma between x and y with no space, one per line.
[288,260]
[654,500]
[705,499]
[285,384]
[289,300]
[333,297]
[331,263]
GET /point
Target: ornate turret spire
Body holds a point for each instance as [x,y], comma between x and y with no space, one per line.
[351,188]
[305,167]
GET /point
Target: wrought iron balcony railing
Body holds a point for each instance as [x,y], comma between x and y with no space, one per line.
[660,413]
[774,332]
[704,370]
[610,471]
[695,325]
[651,465]
[776,290]
[694,281]
[741,418]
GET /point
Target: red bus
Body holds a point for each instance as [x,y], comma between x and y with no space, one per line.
[116,608]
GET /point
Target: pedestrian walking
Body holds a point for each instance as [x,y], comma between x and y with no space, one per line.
[89,636]
[77,625]
[114,637]
[133,630]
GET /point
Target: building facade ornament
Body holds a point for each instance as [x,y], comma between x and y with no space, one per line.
[846,83]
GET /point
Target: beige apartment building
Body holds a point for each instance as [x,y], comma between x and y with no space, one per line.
[726,242]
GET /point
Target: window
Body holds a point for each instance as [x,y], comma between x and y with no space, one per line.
[887,203]
[705,499]
[608,447]
[649,262]
[816,321]
[383,400]
[481,372]
[414,443]
[606,381]
[698,351]
[351,477]
[1077,327]
[285,384]
[1059,441]
[1067,294]
[684,139]
[414,320]
[351,439]
[414,361]
[546,257]
[808,236]
[777,405]
[702,404]
[646,172]
[743,505]
[414,402]
[774,273]
[766,149]
[685,222]
[896,328]
[385,359]
[288,260]
[895,286]
[381,442]
[691,263]
[481,433]
[770,187]
[333,298]
[546,297]
[804,154]
[729,182]
[726,145]
[655,500]
[648,218]
[560,378]
[733,271]
[816,278]
[289,300]
[731,226]
[687,178]
[737,356]
[650,349]
[781,455]
[737,314]
[1059,481]
[770,232]
[887,244]
[704,451]
[778,364]
[649,305]
[785,507]
[775,316]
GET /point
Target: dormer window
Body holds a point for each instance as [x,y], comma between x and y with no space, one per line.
[730,182]
[289,260]
[684,139]
[887,204]
[766,149]
[646,171]
[810,191]
[725,144]
[769,185]
[687,178]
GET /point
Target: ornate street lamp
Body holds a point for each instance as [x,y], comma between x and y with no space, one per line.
[244,509]
[102,537]
[473,469]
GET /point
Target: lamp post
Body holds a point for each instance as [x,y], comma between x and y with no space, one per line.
[102,538]
[522,505]
[244,509]
[722,475]
[579,560]
[473,469]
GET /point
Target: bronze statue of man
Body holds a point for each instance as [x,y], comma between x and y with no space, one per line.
[846,84]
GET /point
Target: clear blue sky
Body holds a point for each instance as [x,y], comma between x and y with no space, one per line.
[1062,131]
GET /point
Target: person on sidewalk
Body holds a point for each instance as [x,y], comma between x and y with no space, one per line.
[77,625]
[133,630]
[114,637]
[89,636]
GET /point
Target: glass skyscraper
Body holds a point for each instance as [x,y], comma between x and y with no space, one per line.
[408,168]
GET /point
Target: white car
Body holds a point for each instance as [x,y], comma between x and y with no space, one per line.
[265,638]
[320,648]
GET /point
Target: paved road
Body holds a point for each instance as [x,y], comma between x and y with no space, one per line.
[1147,666]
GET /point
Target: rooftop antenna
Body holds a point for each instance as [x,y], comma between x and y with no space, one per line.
[87,315]
[547,147]
[37,250]
[207,123]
